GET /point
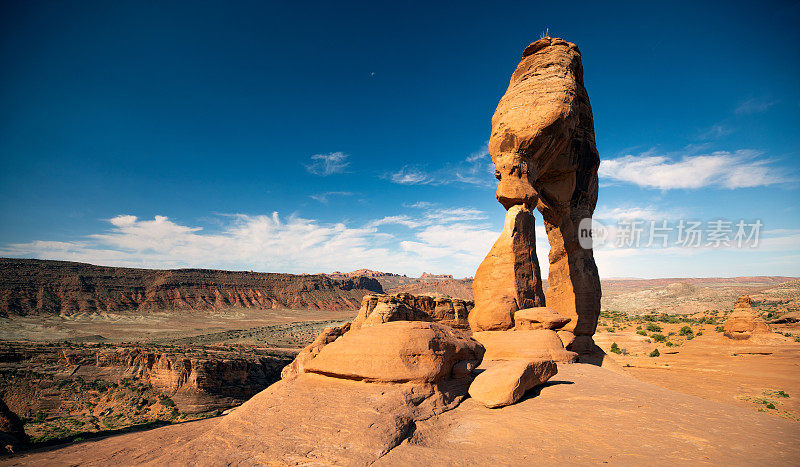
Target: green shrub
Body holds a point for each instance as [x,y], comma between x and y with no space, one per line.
[655,353]
[641,333]
[659,338]
[770,405]
[653,328]
[615,348]
[669,344]
[686,330]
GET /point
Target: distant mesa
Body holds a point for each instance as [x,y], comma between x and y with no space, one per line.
[30,286]
[362,272]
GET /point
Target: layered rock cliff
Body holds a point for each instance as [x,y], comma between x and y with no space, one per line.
[29,286]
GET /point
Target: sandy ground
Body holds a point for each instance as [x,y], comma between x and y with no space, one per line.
[742,373]
[154,327]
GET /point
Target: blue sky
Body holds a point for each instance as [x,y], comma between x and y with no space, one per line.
[321,136]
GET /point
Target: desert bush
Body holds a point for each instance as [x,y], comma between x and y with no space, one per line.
[669,344]
[720,329]
[655,353]
[615,348]
[653,328]
[659,337]
[686,330]
[641,333]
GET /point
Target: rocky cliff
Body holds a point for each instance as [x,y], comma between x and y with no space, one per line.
[29,286]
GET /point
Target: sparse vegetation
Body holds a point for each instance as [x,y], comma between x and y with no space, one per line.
[641,333]
[615,348]
[655,353]
[686,331]
[658,338]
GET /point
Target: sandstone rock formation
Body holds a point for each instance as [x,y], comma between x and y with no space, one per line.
[543,148]
[397,352]
[744,323]
[519,359]
[504,383]
[509,278]
[539,318]
[379,308]
[196,384]
[12,431]
[53,287]
[524,345]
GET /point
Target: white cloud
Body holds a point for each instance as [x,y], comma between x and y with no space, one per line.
[449,240]
[754,105]
[453,240]
[328,164]
[411,176]
[324,197]
[634,212]
[739,169]
[477,169]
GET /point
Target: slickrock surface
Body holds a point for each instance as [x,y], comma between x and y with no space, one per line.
[586,414]
[543,148]
[53,287]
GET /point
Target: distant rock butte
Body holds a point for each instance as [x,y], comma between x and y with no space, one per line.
[543,148]
[54,287]
[743,323]
[425,275]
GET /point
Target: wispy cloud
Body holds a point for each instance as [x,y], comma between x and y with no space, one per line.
[754,105]
[739,169]
[410,175]
[628,212]
[431,217]
[475,169]
[324,197]
[328,164]
[716,131]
